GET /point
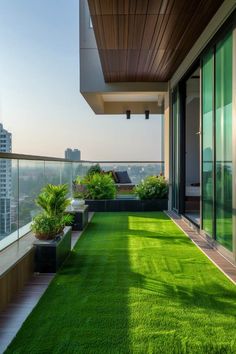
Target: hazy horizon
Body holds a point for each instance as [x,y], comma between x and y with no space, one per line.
[40,102]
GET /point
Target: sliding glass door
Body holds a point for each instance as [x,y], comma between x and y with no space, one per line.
[223,101]
[207,143]
[175,150]
[217,142]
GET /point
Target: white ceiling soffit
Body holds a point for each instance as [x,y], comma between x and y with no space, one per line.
[134,97]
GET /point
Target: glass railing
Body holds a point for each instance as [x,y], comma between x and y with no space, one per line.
[23,176]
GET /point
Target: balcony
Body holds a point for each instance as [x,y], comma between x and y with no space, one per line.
[134,282]
[26,175]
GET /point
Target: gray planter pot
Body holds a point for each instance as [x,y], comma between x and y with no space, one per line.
[50,254]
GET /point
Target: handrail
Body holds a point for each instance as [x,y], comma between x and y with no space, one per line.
[122,161]
[9,155]
[13,156]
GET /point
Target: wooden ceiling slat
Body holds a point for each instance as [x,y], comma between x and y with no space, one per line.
[177,24]
[154,7]
[146,40]
[141,7]
[190,30]
[173,50]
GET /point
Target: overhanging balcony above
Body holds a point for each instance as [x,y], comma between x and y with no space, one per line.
[119,102]
[141,40]
[134,47]
[112,97]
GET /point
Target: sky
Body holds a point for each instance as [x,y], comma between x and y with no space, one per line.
[40,101]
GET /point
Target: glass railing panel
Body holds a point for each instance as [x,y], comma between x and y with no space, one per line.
[52,172]
[66,175]
[80,169]
[137,171]
[8,202]
[31,181]
[21,180]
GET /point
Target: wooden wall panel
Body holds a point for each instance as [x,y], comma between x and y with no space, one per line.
[146,40]
[15,278]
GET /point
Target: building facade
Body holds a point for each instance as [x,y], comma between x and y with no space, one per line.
[73,155]
[5,183]
[176,58]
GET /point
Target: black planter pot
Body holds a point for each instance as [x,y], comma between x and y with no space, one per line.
[127,205]
[49,255]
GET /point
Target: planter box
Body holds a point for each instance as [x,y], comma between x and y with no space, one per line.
[49,255]
[127,205]
[80,217]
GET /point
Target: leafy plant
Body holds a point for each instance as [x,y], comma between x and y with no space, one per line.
[53,199]
[78,195]
[94,169]
[152,187]
[100,186]
[79,188]
[48,227]
[52,220]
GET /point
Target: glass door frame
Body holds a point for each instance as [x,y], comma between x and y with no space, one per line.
[213,143]
[230,25]
[180,93]
[177,134]
[234,138]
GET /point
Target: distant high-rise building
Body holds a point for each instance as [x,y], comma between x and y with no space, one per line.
[73,155]
[5,183]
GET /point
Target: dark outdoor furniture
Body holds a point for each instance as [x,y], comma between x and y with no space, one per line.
[122,177]
[122,181]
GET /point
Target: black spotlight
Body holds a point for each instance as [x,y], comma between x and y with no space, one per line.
[147,114]
[128,113]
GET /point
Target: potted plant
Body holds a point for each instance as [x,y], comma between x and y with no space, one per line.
[100,186]
[79,189]
[100,191]
[152,187]
[50,228]
[153,193]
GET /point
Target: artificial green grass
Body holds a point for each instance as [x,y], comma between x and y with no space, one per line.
[134,284]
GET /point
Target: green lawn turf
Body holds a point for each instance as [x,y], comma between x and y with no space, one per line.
[134,284]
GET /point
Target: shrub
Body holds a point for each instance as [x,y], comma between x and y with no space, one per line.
[53,199]
[52,220]
[94,169]
[79,187]
[48,227]
[152,187]
[100,186]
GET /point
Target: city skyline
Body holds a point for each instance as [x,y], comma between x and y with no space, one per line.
[40,102]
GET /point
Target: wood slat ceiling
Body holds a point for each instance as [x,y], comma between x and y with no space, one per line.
[146,40]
